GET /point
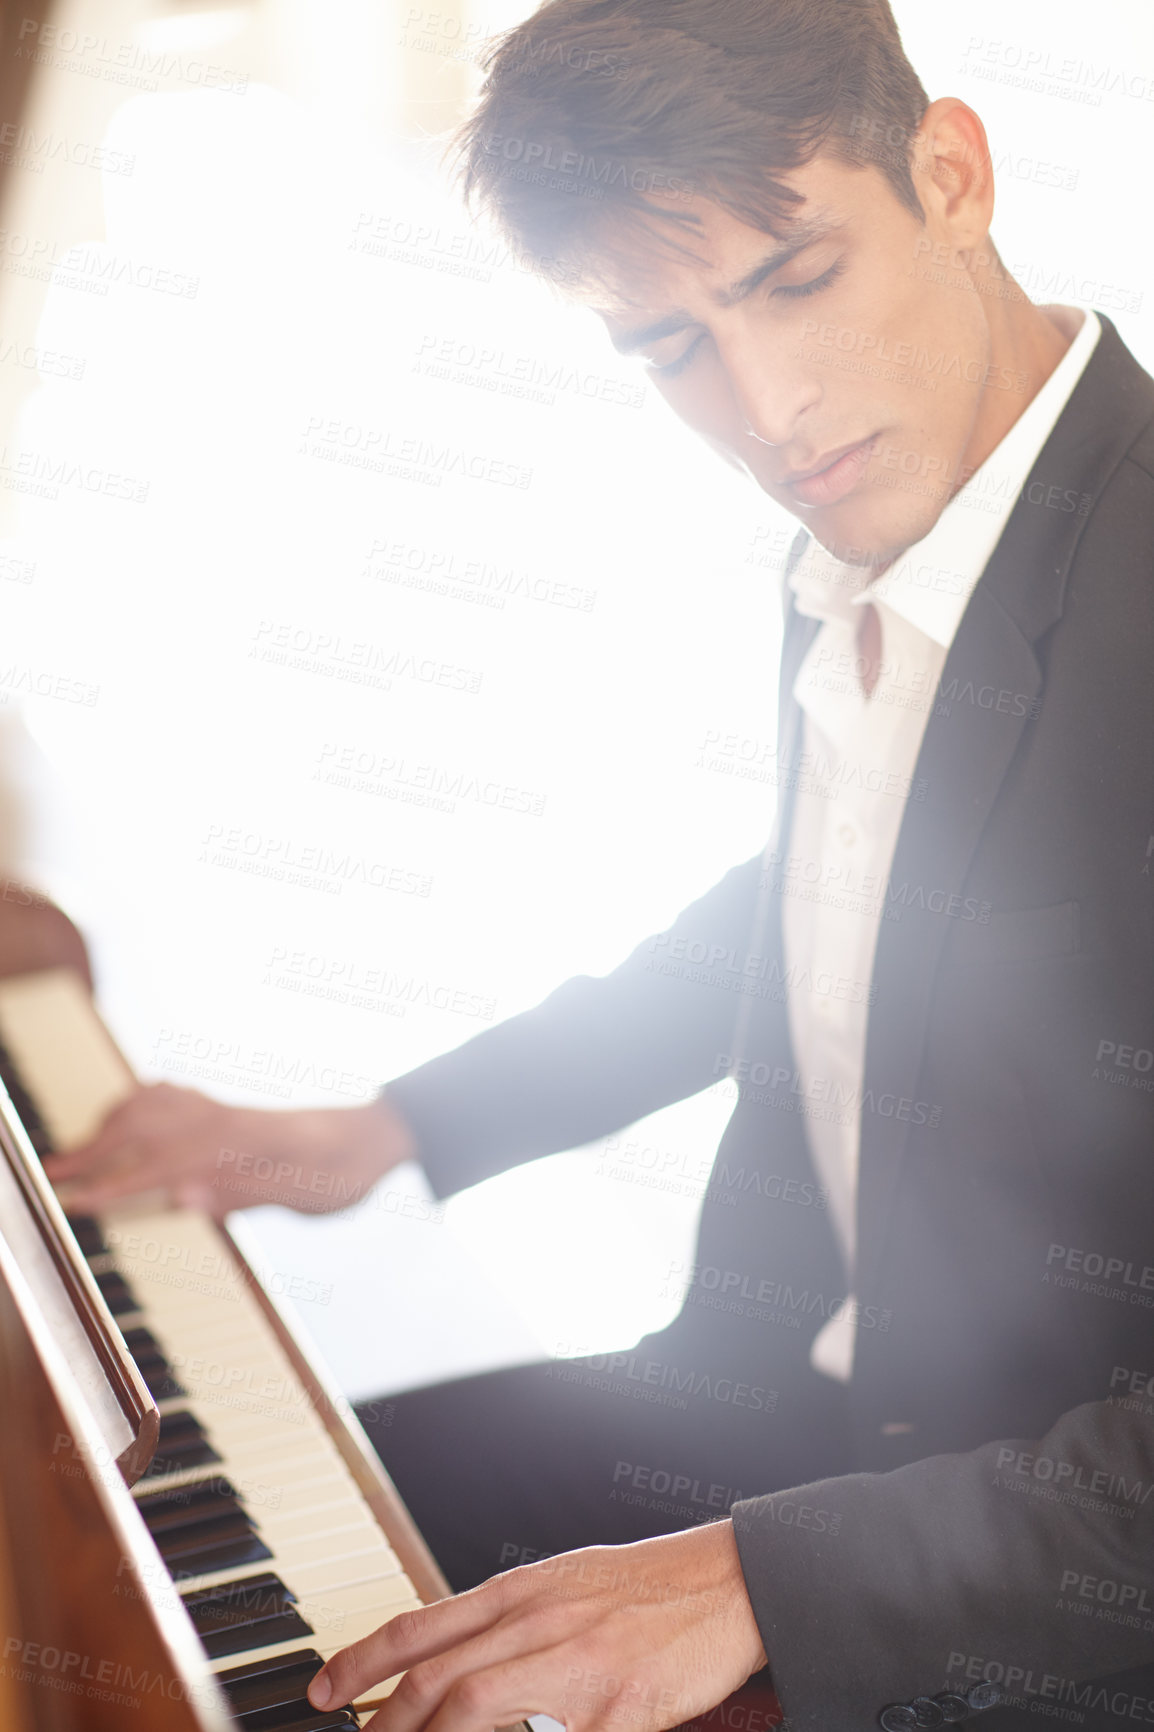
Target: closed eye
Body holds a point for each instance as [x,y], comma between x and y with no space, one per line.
[671,368]
[798,291]
[792,291]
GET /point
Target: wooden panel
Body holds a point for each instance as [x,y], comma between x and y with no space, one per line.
[86,1647]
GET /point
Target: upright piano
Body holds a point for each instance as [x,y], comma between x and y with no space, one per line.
[191,1519]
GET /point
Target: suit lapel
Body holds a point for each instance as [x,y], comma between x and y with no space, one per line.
[963,762]
[970,744]
[765,931]
[800,631]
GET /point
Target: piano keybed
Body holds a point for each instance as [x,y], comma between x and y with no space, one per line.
[255,1515]
[260,1525]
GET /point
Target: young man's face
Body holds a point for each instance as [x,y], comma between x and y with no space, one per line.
[836,365]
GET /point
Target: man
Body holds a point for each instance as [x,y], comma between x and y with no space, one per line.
[928,1243]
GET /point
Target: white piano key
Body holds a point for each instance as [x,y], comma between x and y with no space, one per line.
[378,1574]
[326,1544]
[64,1054]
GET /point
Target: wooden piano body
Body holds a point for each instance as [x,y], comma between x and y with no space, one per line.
[261,1533]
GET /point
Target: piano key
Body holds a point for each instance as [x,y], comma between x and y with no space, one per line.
[283,1490]
[339,1617]
[26,1108]
[344,1613]
[271,1471]
[202,1527]
[300,1717]
[270,1695]
[203,1501]
[162,1382]
[198,1551]
[250,1614]
[183,1443]
[258,1688]
[379,1567]
[288,1501]
[89,1235]
[309,1577]
[118,1295]
[305,1465]
[347,1546]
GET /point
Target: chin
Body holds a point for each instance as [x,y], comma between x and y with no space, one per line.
[873,525]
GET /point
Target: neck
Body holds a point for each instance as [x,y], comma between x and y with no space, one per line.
[1025,343]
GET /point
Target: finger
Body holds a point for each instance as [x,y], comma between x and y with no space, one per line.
[103,1156]
[405,1641]
[428,1684]
[495,1695]
[89,1197]
[181,1143]
[93,1155]
[124,1173]
[136,1120]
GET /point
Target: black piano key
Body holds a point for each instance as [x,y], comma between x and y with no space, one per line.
[255,1594]
[199,1551]
[183,1443]
[160,1382]
[270,1695]
[204,1500]
[200,1528]
[301,1717]
[260,1684]
[289,1627]
[253,1613]
[26,1110]
[118,1295]
[89,1235]
[159,1377]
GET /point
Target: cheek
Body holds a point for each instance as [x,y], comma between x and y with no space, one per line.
[937,345]
[703,399]
[947,328]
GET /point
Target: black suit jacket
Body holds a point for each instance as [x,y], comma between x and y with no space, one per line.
[1006,1195]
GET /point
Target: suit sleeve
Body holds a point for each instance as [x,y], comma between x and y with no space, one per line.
[596,1055]
[873,1589]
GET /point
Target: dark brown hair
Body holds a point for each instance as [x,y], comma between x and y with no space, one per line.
[600,109]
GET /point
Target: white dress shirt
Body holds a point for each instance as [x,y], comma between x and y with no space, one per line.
[859,756]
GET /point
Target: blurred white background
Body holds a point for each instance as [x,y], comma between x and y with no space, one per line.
[357,693]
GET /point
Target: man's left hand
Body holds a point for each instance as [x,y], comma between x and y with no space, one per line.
[638,1638]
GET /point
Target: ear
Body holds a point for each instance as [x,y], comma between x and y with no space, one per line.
[953,172]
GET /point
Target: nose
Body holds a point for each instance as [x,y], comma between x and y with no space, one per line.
[770,390]
[770,412]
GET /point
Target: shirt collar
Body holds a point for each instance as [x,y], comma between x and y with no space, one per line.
[931,583]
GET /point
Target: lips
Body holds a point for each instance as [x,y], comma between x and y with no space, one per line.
[838,477]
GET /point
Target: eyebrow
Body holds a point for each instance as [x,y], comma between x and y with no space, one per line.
[802,235]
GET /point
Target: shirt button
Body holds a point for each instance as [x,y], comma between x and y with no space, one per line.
[847,835]
[899,1717]
[984,1696]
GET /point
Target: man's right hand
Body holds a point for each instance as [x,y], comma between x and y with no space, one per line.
[209,1156]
